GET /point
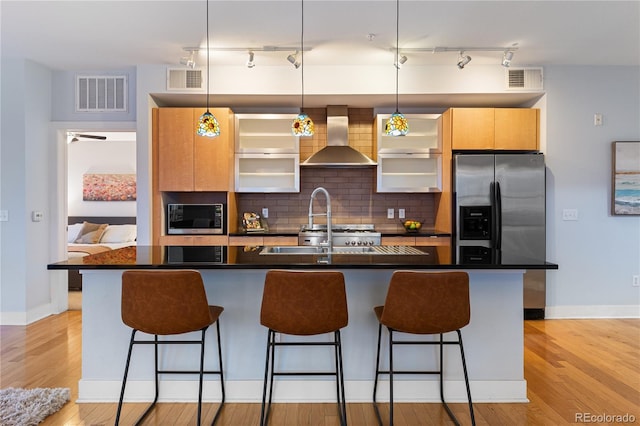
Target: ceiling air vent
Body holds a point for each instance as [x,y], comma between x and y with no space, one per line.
[184,79]
[101,93]
[524,79]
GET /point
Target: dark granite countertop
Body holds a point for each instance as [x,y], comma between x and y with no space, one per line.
[250,257]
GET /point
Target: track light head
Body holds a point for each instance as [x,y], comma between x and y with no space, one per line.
[250,63]
[463,60]
[293,58]
[400,61]
[506,58]
[189,61]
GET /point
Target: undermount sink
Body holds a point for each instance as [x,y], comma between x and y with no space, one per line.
[390,250]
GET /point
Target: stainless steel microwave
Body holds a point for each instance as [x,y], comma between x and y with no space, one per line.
[184,219]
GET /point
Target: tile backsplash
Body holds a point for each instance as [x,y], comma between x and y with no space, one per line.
[353,200]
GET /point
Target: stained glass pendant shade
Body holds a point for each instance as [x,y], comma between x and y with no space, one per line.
[208,125]
[302,125]
[397,125]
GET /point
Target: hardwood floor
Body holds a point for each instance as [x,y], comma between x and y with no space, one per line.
[573,368]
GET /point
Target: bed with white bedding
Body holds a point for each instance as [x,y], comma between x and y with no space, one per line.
[92,234]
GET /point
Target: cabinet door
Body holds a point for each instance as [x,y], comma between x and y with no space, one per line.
[176,130]
[409,172]
[211,156]
[425,135]
[267,173]
[262,133]
[472,128]
[517,129]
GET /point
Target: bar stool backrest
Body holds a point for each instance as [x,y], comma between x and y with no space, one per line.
[164,302]
[427,302]
[304,302]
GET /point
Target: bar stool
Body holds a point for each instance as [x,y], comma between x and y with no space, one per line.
[303,303]
[424,303]
[165,303]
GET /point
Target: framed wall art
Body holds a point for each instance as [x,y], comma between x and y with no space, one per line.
[109,187]
[625,191]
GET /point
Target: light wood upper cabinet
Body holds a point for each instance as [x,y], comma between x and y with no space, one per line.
[517,128]
[188,162]
[472,128]
[495,128]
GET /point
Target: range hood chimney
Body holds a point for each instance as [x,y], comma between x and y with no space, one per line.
[338,153]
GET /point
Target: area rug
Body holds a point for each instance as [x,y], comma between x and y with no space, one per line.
[28,407]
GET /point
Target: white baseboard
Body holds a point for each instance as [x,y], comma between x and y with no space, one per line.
[25,318]
[297,391]
[592,311]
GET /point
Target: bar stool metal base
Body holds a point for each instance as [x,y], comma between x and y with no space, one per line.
[269,373]
[441,342]
[201,372]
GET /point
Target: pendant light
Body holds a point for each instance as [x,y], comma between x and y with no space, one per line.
[207,123]
[397,125]
[302,125]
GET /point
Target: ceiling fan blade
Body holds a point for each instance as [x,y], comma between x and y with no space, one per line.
[80,135]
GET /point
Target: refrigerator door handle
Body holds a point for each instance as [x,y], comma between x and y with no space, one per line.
[494,214]
[498,209]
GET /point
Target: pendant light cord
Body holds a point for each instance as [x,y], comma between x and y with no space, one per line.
[397,63]
[207,55]
[302,54]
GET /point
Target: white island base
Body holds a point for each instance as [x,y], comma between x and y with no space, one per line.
[493,344]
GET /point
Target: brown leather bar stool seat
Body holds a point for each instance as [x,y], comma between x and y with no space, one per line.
[424,303]
[165,303]
[303,303]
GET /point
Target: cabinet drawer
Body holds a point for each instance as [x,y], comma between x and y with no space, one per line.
[433,241]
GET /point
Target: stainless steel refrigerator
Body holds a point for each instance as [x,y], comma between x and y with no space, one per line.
[499,216]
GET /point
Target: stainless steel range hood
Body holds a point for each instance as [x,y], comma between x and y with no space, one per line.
[338,153]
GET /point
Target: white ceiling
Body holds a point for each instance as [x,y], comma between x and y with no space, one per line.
[103,35]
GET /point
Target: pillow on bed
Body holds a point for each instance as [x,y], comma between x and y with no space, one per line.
[73,231]
[91,233]
[119,234]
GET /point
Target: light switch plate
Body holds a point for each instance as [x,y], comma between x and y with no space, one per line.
[570,214]
[400,213]
[390,214]
[4,215]
[265,212]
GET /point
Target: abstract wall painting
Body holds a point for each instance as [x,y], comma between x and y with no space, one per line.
[626,178]
[109,187]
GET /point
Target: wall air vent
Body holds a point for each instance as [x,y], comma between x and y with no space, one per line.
[185,79]
[529,79]
[101,93]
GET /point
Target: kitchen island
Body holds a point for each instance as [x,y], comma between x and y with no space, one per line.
[234,278]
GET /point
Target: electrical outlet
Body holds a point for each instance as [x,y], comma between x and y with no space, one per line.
[570,214]
[400,213]
[636,281]
[265,212]
[390,214]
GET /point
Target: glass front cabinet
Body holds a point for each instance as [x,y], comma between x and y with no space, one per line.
[267,155]
[411,163]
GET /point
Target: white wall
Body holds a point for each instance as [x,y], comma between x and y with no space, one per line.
[26,112]
[96,156]
[599,253]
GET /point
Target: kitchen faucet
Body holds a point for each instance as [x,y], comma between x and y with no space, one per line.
[327,214]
